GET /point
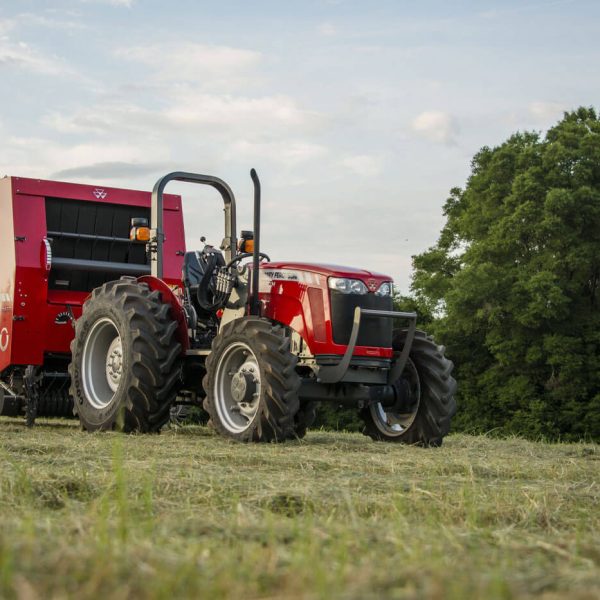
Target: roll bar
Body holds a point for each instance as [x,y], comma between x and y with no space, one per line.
[229,243]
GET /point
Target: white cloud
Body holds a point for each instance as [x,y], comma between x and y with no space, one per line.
[124,3]
[41,20]
[327,29]
[227,111]
[5,26]
[193,62]
[363,165]
[436,126]
[41,157]
[192,113]
[288,153]
[23,56]
[546,111]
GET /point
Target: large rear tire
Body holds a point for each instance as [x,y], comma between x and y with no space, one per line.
[304,418]
[124,367]
[251,383]
[428,381]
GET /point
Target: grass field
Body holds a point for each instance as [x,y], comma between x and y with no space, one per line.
[188,514]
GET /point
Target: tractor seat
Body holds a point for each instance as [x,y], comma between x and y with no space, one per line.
[192,269]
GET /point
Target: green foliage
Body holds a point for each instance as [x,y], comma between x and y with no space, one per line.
[332,416]
[411,304]
[514,279]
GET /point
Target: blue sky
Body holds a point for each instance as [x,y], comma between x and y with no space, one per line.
[358,116]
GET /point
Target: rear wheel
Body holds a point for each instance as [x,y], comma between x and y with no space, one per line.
[124,368]
[304,418]
[428,389]
[251,384]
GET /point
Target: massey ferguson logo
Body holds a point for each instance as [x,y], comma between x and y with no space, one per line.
[372,285]
[100,194]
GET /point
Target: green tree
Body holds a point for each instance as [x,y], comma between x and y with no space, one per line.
[514,281]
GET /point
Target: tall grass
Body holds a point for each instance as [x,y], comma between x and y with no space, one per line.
[189,514]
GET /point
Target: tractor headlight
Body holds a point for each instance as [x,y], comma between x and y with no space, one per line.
[347,286]
[385,289]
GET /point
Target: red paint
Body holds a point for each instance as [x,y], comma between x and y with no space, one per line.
[177,312]
[289,302]
[328,270]
[24,292]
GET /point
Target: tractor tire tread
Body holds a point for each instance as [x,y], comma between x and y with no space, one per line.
[438,388]
[151,381]
[274,421]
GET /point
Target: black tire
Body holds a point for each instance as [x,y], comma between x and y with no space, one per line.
[32,394]
[144,379]
[256,353]
[304,418]
[428,376]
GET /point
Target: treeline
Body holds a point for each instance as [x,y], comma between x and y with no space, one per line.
[511,287]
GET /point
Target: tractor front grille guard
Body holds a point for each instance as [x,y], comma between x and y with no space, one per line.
[335,373]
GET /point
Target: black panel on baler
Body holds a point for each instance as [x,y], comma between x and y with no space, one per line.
[77,219]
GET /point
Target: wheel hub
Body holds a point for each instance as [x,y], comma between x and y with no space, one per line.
[243,386]
[102,363]
[394,420]
[114,364]
[237,387]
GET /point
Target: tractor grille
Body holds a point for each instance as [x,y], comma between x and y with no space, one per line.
[374,331]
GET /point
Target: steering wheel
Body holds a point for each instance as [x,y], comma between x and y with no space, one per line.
[243,255]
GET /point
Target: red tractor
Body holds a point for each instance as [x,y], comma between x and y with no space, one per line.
[259,343]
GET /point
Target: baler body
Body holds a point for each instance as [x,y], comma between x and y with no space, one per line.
[58,242]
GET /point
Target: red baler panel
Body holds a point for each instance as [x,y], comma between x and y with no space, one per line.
[31,280]
[34,319]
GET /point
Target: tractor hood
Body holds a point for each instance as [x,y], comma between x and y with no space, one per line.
[327,270]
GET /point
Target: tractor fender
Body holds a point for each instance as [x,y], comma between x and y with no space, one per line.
[169,297]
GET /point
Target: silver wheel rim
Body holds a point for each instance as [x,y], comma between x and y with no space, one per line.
[395,424]
[102,364]
[237,387]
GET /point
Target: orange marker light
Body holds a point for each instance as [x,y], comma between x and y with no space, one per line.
[139,234]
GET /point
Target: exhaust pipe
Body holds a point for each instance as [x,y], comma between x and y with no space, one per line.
[255,302]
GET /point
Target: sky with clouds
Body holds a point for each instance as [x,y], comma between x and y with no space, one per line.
[359,116]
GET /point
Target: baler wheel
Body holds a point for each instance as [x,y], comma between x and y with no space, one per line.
[32,394]
[251,383]
[124,368]
[428,377]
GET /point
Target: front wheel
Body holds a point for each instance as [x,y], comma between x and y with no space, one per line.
[251,383]
[429,389]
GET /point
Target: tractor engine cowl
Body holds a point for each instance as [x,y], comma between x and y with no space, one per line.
[308,298]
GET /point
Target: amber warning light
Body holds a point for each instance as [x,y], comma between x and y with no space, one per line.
[246,243]
[140,232]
